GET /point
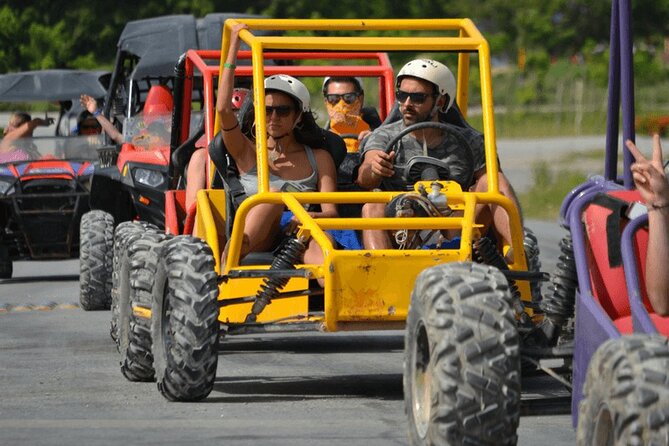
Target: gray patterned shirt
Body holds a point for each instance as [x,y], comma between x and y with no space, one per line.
[449,150]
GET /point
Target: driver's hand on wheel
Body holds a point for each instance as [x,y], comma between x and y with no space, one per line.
[381,163]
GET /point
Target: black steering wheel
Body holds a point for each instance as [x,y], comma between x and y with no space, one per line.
[419,168]
[348,136]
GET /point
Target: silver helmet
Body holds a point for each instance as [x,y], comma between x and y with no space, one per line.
[432,71]
[292,87]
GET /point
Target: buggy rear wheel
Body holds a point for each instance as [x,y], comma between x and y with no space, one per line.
[135,309]
[184,320]
[626,397]
[6,268]
[462,364]
[95,260]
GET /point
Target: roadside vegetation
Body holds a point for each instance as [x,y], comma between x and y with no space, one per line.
[550,186]
[550,59]
[552,181]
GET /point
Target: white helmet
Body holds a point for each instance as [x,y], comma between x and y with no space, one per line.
[432,71]
[357,80]
[292,87]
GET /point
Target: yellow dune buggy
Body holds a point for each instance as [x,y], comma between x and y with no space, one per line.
[465,311]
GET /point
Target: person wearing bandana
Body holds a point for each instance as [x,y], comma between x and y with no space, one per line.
[425,91]
[344,98]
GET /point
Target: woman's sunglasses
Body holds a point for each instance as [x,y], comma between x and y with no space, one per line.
[416,98]
[282,111]
[349,98]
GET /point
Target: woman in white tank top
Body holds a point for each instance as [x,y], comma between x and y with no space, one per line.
[290,129]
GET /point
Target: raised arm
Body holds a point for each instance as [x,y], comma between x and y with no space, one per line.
[652,184]
[91,105]
[238,145]
[23,131]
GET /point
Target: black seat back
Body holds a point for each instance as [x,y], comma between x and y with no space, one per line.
[181,155]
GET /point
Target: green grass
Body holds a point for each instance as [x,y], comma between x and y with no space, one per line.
[539,125]
[543,200]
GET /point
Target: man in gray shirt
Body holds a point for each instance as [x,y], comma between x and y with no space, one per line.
[424,88]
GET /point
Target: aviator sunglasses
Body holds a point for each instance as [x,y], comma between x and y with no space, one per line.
[281,110]
[416,98]
[349,98]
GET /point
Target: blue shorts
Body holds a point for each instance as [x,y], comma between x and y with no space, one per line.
[345,238]
[348,239]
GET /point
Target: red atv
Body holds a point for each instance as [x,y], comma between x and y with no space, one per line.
[131,180]
[45,180]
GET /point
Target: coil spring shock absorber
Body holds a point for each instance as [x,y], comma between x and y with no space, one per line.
[486,252]
[288,256]
[558,305]
[531,245]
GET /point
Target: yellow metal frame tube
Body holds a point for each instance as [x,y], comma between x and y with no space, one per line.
[467,40]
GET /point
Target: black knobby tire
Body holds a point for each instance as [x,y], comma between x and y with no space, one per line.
[95,260]
[6,268]
[626,396]
[532,254]
[462,363]
[135,331]
[184,320]
[124,235]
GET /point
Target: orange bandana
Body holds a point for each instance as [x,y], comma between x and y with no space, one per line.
[345,120]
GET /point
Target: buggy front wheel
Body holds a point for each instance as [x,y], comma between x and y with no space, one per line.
[626,397]
[184,320]
[462,364]
[95,260]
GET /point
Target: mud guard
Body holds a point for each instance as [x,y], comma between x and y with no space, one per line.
[107,194]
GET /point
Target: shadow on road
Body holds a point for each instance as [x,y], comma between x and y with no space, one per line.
[251,389]
[314,344]
[29,279]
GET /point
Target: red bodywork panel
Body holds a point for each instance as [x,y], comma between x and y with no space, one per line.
[138,154]
[608,282]
[42,169]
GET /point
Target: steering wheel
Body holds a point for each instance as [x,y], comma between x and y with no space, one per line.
[348,136]
[419,168]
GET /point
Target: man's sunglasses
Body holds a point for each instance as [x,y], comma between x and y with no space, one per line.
[281,110]
[349,98]
[416,98]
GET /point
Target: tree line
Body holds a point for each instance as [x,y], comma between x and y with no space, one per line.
[83,34]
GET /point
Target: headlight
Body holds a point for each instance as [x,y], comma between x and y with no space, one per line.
[6,187]
[148,177]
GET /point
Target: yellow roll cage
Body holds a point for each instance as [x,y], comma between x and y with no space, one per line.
[362,288]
